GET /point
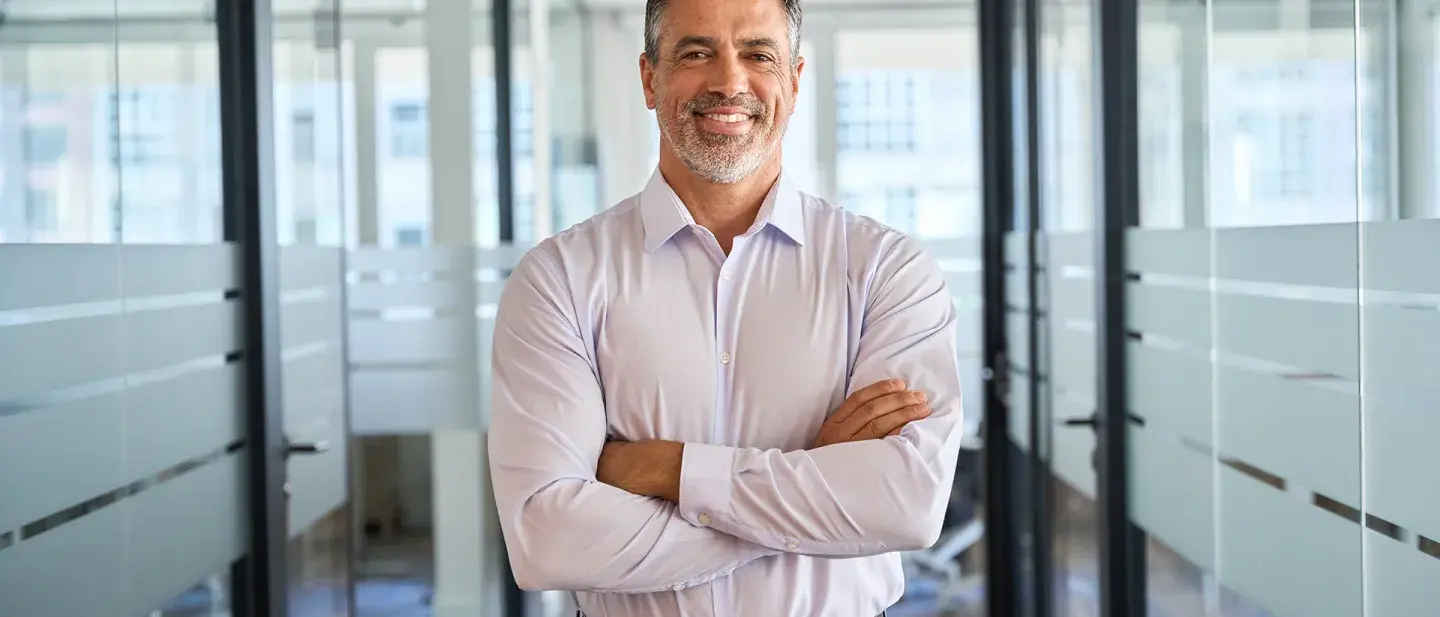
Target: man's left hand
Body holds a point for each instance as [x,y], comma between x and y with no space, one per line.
[650,468]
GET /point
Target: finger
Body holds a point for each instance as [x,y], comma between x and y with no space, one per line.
[864,395]
[896,431]
[898,419]
[889,403]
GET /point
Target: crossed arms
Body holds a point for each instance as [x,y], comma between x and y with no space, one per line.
[679,515]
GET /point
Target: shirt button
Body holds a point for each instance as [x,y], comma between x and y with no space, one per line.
[726,275]
[725,358]
[704,519]
[678,587]
[792,545]
[698,231]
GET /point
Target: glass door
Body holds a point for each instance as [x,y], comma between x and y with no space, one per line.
[309,198]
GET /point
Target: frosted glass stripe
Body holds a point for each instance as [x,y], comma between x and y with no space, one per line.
[1174,313]
[1070,249]
[1073,447]
[1073,366]
[1322,255]
[54,458]
[59,354]
[1401,349]
[1312,336]
[1401,430]
[39,275]
[505,256]
[1288,556]
[1399,256]
[435,259]
[1171,391]
[182,530]
[1306,434]
[435,340]
[75,570]
[305,267]
[379,296]
[378,396]
[1072,298]
[1172,494]
[967,247]
[1017,327]
[1181,252]
[303,323]
[1016,248]
[1020,410]
[313,388]
[963,284]
[1400,579]
[157,339]
[489,292]
[178,419]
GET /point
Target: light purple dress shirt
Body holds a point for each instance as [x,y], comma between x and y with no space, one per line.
[636,324]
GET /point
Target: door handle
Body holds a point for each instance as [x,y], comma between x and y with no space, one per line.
[306,447]
[1093,421]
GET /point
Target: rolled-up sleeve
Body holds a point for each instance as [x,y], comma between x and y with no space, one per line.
[563,528]
[856,498]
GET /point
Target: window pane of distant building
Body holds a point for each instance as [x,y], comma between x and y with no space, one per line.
[409,137]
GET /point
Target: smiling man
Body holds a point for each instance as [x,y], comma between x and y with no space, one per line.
[723,396]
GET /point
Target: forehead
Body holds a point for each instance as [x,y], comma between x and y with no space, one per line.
[723,19]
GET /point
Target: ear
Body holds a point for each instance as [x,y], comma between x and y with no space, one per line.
[647,80]
[795,78]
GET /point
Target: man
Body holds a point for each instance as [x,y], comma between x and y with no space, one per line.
[671,432]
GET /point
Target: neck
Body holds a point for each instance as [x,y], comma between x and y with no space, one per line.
[727,210]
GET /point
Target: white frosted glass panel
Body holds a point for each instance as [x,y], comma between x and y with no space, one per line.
[313,321]
[56,457]
[1402,349]
[183,530]
[1402,457]
[1282,553]
[162,338]
[43,357]
[318,482]
[1400,580]
[1072,298]
[489,292]
[1181,252]
[1172,494]
[411,401]
[371,259]
[1321,255]
[1020,410]
[1070,249]
[34,275]
[1171,391]
[969,333]
[373,340]
[1394,252]
[1073,365]
[963,284]
[74,570]
[306,267]
[313,388]
[1017,295]
[952,248]
[1016,249]
[181,418]
[1073,447]
[177,269]
[1307,335]
[504,257]
[407,294]
[1018,330]
[1303,433]
[1178,314]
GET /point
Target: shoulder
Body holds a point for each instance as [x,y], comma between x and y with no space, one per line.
[578,247]
[869,243]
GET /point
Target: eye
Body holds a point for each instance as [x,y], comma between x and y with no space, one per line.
[695,55]
[762,58]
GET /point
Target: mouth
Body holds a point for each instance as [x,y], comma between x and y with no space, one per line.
[725,123]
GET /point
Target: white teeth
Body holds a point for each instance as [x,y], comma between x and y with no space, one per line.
[728,118]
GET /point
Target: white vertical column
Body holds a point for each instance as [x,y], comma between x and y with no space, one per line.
[367,176]
[827,123]
[458,471]
[1194,108]
[1414,106]
[14,76]
[622,123]
[540,71]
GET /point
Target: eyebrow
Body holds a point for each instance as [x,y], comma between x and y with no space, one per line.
[711,42]
[762,41]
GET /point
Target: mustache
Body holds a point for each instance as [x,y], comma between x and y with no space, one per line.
[747,102]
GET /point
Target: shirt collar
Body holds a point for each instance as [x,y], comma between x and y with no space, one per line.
[664,215]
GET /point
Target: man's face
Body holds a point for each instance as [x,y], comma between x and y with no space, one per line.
[724,86]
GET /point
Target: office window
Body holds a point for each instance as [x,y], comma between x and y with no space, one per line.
[900,204]
[409,130]
[1296,147]
[409,236]
[41,211]
[46,144]
[876,111]
[303,136]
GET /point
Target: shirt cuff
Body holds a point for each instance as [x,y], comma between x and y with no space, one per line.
[705,472]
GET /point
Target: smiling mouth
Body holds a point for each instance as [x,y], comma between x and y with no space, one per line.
[727,118]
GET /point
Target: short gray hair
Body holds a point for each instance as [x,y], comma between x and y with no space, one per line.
[655,14]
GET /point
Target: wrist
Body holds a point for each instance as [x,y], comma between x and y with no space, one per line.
[662,473]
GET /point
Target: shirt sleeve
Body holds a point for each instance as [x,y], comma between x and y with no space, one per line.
[857,498]
[564,529]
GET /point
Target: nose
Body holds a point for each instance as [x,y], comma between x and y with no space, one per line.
[728,76]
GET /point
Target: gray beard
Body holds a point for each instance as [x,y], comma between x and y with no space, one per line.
[721,159]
